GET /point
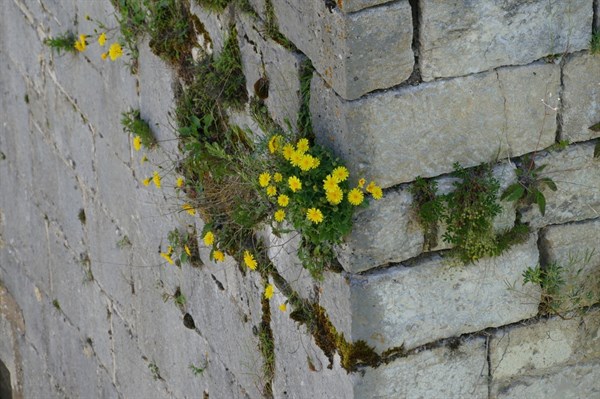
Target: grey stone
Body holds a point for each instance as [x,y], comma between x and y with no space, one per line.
[575,172]
[459,38]
[391,137]
[596,16]
[354,53]
[580,97]
[356,5]
[216,26]
[432,299]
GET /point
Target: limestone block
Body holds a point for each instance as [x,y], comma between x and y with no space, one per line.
[259,7]
[459,38]
[575,172]
[355,53]
[216,26]
[596,16]
[356,5]
[391,137]
[544,345]
[581,97]
[431,299]
[572,382]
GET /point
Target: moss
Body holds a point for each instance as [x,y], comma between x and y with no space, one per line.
[171,29]
[81,216]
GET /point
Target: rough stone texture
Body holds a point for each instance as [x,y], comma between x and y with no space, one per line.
[356,5]
[580,97]
[430,300]
[355,53]
[575,172]
[458,38]
[596,16]
[392,137]
[216,25]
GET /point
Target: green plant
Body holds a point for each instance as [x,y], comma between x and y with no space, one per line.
[272,28]
[215,5]
[528,189]
[430,209]
[171,29]
[197,370]
[133,124]
[154,371]
[186,245]
[64,42]
[56,304]
[595,43]
[266,345]
[124,242]
[304,119]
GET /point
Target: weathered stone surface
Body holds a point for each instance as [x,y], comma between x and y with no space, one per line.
[580,97]
[431,300]
[535,348]
[458,38]
[575,172]
[356,5]
[216,25]
[596,16]
[355,53]
[395,136]
[572,382]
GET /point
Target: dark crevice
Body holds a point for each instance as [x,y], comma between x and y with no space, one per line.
[488,356]
[218,283]
[559,112]
[596,17]
[415,77]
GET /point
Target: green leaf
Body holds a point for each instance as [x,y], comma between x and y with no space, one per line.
[595,128]
[513,192]
[549,183]
[541,201]
[597,149]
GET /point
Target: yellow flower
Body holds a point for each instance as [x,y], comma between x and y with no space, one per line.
[316,162]
[249,260]
[156,179]
[169,250]
[377,192]
[306,163]
[144,159]
[340,173]
[283,200]
[80,44]
[314,215]
[355,196]
[371,187]
[277,177]
[288,150]
[271,191]
[167,257]
[283,307]
[179,182]
[295,158]
[102,39]
[103,55]
[209,239]
[137,143]
[218,256]
[269,291]
[294,183]
[274,143]
[264,179]
[280,215]
[146,181]
[330,183]
[189,209]
[187,250]
[335,196]
[302,146]
[361,182]
[115,51]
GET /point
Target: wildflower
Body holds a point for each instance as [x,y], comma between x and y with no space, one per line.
[264,179]
[306,163]
[81,43]
[316,162]
[335,195]
[294,183]
[209,239]
[146,182]
[288,150]
[283,200]
[302,146]
[377,192]
[179,182]
[314,215]
[355,197]
[144,159]
[269,291]
[156,179]
[167,257]
[280,215]
[187,250]
[271,191]
[340,173]
[283,307]
[137,143]
[189,209]
[103,55]
[115,51]
[218,256]
[277,177]
[102,39]
[274,143]
[330,183]
[170,250]
[371,187]
[295,158]
[249,260]
[361,182]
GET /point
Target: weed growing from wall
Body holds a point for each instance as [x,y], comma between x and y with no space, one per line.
[140,130]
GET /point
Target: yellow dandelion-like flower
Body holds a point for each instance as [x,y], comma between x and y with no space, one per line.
[137,143]
[280,215]
[156,179]
[179,182]
[287,151]
[167,257]
[146,182]
[103,55]
[271,191]
[283,307]
[277,177]
[249,260]
[102,39]
[218,256]
[144,159]
[187,250]
[335,196]
[170,250]
[314,215]
[115,51]
[264,179]
[295,158]
[361,182]
[371,187]
[377,192]
[306,163]
[355,197]
[209,239]
[80,44]
[340,173]
[330,183]
[274,143]
[189,209]
[295,184]
[283,200]
[269,289]
[302,146]
[316,162]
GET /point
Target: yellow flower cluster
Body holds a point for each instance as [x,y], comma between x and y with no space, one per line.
[167,255]
[114,51]
[209,241]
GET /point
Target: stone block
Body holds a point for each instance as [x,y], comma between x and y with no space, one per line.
[357,5]
[216,27]
[575,172]
[431,299]
[391,137]
[460,38]
[580,97]
[354,53]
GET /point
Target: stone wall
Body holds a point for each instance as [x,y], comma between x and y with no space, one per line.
[401,89]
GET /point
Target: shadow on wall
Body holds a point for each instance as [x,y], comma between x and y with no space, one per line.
[5,387]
